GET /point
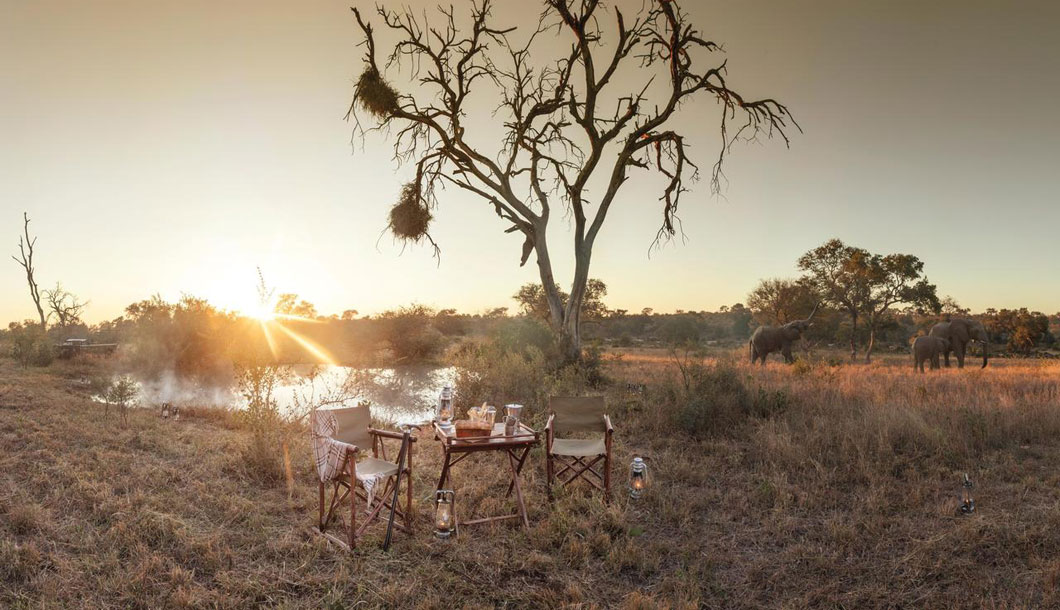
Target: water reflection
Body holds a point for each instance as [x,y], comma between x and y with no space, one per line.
[399,395]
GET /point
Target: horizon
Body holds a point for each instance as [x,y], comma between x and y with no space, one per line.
[182,147]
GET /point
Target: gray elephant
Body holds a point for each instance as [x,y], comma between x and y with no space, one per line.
[928,349]
[769,339]
[960,333]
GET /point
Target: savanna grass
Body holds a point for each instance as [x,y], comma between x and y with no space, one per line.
[843,498]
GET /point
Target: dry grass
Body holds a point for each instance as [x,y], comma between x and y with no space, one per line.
[844,499]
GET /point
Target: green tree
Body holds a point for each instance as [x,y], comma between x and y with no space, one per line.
[533,301]
[779,301]
[896,279]
[842,276]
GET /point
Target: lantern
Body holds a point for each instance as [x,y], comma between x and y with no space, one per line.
[443,513]
[445,408]
[638,478]
[967,501]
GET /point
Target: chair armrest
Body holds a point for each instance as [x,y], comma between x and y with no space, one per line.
[549,433]
[607,422]
[390,434]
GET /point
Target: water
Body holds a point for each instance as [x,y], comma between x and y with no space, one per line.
[399,395]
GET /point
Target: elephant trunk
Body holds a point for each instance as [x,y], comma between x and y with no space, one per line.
[986,345]
[818,304]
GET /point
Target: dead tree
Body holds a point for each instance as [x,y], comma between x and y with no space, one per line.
[64,305]
[25,258]
[570,130]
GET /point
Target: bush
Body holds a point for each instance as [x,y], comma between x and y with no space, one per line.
[257,383]
[517,364]
[714,400]
[29,344]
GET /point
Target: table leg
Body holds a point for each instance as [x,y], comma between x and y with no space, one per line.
[522,460]
[445,472]
[516,464]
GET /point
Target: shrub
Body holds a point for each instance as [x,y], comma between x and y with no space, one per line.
[714,400]
[257,383]
[122,393]
[516,364]
[29,344]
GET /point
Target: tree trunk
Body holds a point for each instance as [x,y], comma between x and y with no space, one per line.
[853,336]
[872,342]
[565,318]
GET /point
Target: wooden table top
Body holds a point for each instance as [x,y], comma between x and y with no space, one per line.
[496,440]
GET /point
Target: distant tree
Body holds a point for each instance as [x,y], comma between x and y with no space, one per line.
[1021,329]
[561,124]
[288,304]
[842,276]
[950,307]
[779,301]
[411,334]
[741,320]
[497,312]
[679,330]
[533,300]
[64,305]
[25,258]
[647,311]
[896,279]
[349,314]
[450,323]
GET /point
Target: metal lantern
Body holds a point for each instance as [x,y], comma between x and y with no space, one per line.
[638,478]
[443,513]
[967,501]
[445,408]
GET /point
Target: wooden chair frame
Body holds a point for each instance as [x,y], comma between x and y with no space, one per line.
[340,485]
[580,467]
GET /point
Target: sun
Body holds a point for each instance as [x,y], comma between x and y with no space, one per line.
[262,312]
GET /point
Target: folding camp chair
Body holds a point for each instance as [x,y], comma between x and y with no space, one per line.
[339,435]
[568,446]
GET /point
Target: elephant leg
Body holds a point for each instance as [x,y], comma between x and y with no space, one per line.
[947,355]
[960,356]
[786,350]
[934,362]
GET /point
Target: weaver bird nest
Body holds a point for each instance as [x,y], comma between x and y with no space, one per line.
[375,95]
[410,218]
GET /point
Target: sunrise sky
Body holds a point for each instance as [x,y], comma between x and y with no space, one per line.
[174,146]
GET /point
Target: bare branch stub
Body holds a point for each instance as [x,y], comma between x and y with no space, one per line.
[566,123]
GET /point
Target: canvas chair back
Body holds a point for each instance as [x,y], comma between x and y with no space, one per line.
[353,424]
[578,414]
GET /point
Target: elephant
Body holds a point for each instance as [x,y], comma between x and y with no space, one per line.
[959,333]
[769,339]
[927,348]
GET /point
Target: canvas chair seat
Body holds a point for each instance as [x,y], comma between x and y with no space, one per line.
[372,468]
[580,447]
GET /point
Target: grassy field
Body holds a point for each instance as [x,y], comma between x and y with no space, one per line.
[842,495]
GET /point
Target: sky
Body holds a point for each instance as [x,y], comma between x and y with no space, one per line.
[174,147]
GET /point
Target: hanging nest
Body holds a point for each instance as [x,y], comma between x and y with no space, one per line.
[410,218]
[375,95]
